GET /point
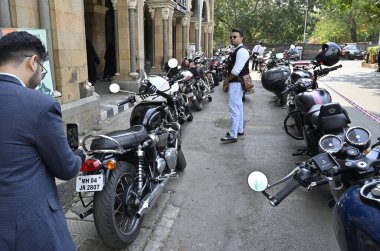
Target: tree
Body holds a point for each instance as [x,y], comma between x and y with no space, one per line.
[272,21]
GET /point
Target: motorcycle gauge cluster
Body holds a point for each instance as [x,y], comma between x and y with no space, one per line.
[330,144]
[359,137]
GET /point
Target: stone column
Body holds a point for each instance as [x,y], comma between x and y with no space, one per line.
[45,23]
[210,38]
[152,60]
[132,36]
[165,17]
[197,43]
[174,37]
[5,14]
[140,37]
[205,39]
[116,24]
[185,21]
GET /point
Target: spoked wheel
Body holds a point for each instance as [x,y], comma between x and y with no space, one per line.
[115,208]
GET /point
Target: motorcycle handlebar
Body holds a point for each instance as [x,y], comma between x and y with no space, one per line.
[292,185]
[130,99]
[325,71]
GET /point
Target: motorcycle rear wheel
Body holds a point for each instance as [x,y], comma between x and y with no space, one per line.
[181,161]
[197,103]
[114,208]
[190,118]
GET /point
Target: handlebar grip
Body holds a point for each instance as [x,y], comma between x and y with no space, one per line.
[127,100]
[283,193]
[335,67]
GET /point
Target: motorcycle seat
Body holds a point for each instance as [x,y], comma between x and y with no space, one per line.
[126,138]
[330,117]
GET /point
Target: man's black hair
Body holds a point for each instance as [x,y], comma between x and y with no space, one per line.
[238,30]
[16,45]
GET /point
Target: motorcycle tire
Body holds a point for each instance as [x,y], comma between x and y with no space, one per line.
[197,103]
[190,118]
[216,81]
[108,208]
[282,100]
[181,161]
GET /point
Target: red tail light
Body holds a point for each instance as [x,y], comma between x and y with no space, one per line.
[90,165]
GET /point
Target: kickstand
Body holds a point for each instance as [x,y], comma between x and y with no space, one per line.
[331,203]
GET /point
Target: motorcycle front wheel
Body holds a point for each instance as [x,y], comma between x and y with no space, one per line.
[115,208]
[197,102]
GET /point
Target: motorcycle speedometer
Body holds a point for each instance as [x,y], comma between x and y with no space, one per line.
[359,137]
[330,144]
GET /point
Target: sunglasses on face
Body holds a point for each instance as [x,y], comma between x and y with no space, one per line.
[233,37]
[44,71]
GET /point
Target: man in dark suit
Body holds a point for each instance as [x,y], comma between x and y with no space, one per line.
[33,151]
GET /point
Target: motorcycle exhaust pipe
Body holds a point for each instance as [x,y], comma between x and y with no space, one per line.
[182,115]
[87,213]
[151,198]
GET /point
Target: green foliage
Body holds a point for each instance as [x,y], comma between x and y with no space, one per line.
[372,51]
[272,21]
[279,21]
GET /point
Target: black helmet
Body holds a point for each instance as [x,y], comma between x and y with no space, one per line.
[329,55]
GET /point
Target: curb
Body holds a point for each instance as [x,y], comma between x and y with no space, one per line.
[112,109]
[371,66]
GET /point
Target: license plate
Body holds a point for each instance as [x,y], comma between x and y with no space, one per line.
[89,183]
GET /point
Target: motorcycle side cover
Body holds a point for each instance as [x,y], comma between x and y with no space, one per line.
[356,223]
[275,79]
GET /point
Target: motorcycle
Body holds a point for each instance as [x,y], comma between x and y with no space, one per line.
[313,111]
[201,84]
[176,99]
[351,170]
[127,170]
[276,80]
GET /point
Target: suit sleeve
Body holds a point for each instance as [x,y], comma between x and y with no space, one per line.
[52,144]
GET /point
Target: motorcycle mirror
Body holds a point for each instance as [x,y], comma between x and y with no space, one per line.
[172,63]
[257,181]
[114,88]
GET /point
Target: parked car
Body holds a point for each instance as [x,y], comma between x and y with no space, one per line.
[352,51]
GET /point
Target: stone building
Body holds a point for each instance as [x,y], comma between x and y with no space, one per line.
[138,34]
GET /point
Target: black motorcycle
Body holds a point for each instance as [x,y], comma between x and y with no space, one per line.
[127,170]
[313,111]
[352,171]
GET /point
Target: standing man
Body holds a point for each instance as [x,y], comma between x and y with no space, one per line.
[237,66]
[256,51]
[33,151]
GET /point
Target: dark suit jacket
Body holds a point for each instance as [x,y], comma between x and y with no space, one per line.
[33,151]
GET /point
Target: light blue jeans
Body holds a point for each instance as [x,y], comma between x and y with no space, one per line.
[235,103]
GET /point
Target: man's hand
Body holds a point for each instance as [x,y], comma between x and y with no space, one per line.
[225,85]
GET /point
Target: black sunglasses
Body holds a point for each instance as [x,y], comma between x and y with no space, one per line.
[233,37]
[44,71]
